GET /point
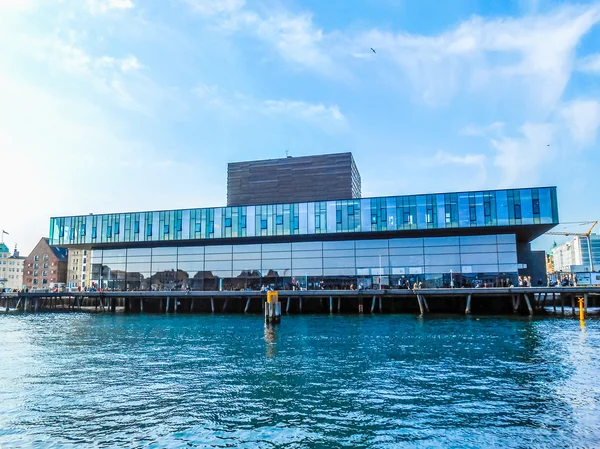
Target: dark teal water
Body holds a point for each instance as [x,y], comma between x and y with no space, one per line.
[315,381]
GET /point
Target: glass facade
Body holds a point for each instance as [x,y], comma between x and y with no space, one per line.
[393,262]
[516,207]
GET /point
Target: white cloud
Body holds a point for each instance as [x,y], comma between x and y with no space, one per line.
[590,64]
[15,4]
[532,51]
[582,118]
[103,6]
[520,157]
[311,112]
[237,104]
[214,7]
[294,36]
[130,63]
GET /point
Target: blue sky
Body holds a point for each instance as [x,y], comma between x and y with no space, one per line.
[119,105]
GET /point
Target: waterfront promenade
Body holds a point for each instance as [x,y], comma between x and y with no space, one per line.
[524,300]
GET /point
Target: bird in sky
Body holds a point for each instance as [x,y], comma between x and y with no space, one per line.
[373,50]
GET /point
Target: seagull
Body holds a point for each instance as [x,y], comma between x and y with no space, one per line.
[373,50]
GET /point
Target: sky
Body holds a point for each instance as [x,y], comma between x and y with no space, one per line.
[125,105]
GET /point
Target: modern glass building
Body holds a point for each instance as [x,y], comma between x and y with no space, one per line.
[441,239]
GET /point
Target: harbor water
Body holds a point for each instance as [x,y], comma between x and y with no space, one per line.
[383,381]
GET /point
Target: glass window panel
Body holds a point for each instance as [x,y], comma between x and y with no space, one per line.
[442,250]
[360,244]
[442,269]
[190,266]
[441,241]
[190,258]
[507,247]
[164,266]
[306,254]
[372,252]
[340,271]
[545,206]
[307,263]
[348,244]
[507,258]
[365,214]
[442,259]
[250,221]
[246,265]
[311,218]
[331,217]
[502,207]
[247,248]
[478,249]
[374,262]
[506,238]
[276,247]
[191,250]
[337,262]
[491,268]
[299,272]
[508,268]
[422,212]
[168,258]
[114,253]
[406,251]
[208,257]
[478,240]
[138,252]
[479,258]
[339,253]
[218,249]
[300,246]
[211,265]
[113,260]
[407,261]
[247,256]
[526,206]
[277,255]
[405,243]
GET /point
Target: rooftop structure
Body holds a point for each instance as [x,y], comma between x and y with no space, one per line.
[293,180]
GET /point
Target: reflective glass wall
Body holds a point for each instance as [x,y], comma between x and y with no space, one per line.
[418,212]
[434,261]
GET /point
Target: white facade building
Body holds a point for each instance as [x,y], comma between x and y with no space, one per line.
[11,269]
[574,255]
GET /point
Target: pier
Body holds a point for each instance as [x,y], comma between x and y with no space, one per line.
[521,300]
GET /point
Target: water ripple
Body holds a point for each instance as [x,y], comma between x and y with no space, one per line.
[68,380]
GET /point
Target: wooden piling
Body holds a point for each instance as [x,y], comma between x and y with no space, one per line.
[360,306]
[168,304]
[420,304]
[225,304]
[373,304]
[554,301]
[562,303]
[573,304]
[468,308]
[585,303]
[330,304]
[380,304]
[528,304]
[424,301]
[287,305]
[212,305]
[339,305]
[300,304]
[248,304]
[141,305]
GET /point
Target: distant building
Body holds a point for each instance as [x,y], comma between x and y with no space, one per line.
[15,271]
[45,265]
[77,268]
[4,255]
[574,255]
[293,180]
